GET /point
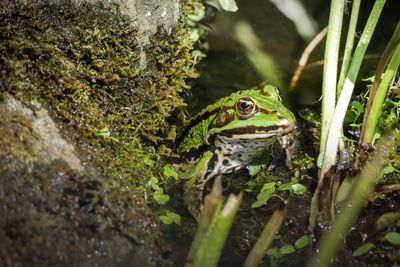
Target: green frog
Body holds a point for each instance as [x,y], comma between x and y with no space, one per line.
[229,134]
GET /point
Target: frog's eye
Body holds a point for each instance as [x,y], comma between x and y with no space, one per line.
[245,107]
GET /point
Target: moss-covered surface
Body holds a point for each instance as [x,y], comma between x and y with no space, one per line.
[81,63]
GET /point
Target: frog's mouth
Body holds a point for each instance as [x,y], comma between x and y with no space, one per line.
[258,132]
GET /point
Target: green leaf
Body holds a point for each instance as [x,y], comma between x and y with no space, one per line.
[376,136]
[361,250]
[174,216]
[302,242]
[358,106]
[253,169]
[259,202]
[285,187]
[350,116]
[268,186]
[170,217]
[166,219]
[287,249]
[393,238]
[298,189]
[265,194]
[229,5]
[386,170]
[160,197]
[273,252]
[170,172]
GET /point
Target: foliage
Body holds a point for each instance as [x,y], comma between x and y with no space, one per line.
[272,189]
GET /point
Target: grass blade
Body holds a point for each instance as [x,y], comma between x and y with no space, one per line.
[349,45]
[266,238]
[334,133]
[330,69]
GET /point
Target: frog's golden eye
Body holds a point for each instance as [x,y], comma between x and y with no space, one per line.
[245,107]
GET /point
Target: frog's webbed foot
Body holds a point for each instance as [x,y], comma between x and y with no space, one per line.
[194,185]
[193,199]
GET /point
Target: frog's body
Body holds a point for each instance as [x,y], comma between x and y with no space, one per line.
[231,133]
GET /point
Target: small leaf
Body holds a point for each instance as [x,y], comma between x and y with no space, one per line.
[154,183]
[253,169]
[170,217]
[174,216]
[287,249]
[376,136]
[285,187]
[259,202]
[302,242]
[388,169]
[393,238]
[267,193]
[350,116]
[268,186]
[229,5]
[361,250]
[273,252]
[298,189]
[160,197]
[358,106]
[170,172]
[166,219]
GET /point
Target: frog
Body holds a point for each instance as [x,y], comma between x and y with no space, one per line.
[229,134]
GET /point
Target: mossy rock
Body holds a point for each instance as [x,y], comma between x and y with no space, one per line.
[80,115]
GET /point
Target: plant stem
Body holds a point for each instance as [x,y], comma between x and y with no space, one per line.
[380,96]
[304,57]
[210,249]
[329,157]
[266,238]
[212,206]
[387,54]
[349,45]
[330,69]
[331,241]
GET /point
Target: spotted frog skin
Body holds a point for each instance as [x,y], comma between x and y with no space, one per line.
[229,134]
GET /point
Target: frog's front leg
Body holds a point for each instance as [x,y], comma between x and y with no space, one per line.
[196,176]
[287,143]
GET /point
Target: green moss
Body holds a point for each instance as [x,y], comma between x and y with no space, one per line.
[82,63]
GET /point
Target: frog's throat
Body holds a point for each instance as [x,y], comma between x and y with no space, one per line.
[255,132]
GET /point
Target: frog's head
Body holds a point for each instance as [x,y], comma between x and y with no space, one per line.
[251,114]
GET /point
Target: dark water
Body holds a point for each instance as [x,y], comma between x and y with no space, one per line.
[226,68]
